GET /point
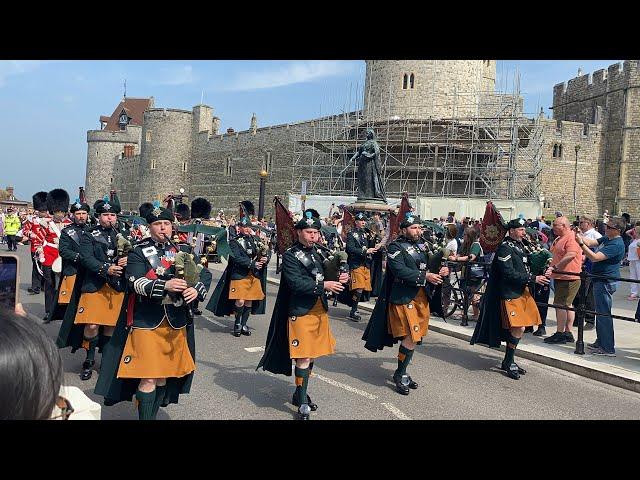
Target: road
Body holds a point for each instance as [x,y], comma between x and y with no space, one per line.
[457,380]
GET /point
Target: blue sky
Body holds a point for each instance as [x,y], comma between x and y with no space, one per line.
[46,107]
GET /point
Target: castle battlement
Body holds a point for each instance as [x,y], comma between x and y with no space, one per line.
[594,84]
[566,128]
[130,135]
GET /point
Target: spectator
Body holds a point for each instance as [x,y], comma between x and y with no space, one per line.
[634,263]
[31,376]
[11,227]
[587,228]
[471,251]
[542,224]
[2,227]
[567,256]
[626,238]
[606,262]
[451,234]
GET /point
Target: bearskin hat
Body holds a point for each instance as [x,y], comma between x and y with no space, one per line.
[200,208]
[183,211]
[40,201]
[145,208]
[247,208]
[57,201]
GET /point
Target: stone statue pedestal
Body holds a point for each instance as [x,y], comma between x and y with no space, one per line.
[371,206]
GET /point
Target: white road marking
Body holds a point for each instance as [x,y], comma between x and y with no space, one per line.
[254,349]
[395,411]
[215,322]
[344,386]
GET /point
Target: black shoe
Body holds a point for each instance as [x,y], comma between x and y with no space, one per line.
[303,412]
[528,329]
[521,370]
[33,291]
[245,331]
[589,326]
[402,384]
[556,338]
[46,318]
[540,332]
[513,371]
[464,323]
[87,370]
[412,385]
[355,317]
[237,330]
[569,337]
[197,312]
[296,403]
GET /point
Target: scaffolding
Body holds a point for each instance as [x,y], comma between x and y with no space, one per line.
[495,154]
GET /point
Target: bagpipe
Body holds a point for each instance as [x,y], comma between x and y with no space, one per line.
[334,262]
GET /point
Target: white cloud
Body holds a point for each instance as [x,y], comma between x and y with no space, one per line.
[10,68]
[296,72]
[178,76]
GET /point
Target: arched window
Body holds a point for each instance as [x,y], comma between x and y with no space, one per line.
[557,150]
[411,79]
[184,166]
[405,80]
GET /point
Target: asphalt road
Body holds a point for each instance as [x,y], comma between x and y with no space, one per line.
[457,380]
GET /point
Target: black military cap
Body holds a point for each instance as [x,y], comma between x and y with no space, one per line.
[308,221]
[410,219]
[157,213]
[516,223]
[106,206]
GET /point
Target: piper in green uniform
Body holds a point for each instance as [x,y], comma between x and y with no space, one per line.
[299,328]
[242,286]
[359,260]
[507,306]
[402,309]
[69,248]
[152,353]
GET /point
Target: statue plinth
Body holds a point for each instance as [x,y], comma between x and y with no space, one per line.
[371,206]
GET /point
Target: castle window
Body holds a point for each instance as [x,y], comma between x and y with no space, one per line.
[148,137]
[227,170]
[411,79]
[267,162]
[557,150]
[405,79]
[153,164]
[184,166]
[585,130]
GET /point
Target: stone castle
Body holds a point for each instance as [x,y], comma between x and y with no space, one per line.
[145,152]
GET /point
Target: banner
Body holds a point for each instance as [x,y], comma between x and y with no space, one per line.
[284,227]
[396,220]
[348,223]
[492,230]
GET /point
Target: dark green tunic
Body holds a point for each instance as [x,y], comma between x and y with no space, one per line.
[69,249]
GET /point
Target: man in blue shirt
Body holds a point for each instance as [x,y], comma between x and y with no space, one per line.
[606,262]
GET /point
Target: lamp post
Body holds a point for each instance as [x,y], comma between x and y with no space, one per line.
[263,178]
[575,182]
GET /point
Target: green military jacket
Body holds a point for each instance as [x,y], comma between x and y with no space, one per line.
[408,263]
[357,246]
[69,248]
[303,272]
[97,253]
[513,269]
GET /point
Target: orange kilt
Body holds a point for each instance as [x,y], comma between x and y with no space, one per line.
[100,308]
[361,278]
[159,353]
[411,319]
[248,288]
[520,312]
[66,288]
[310,335]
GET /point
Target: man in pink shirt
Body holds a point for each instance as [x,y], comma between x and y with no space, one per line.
[567,257]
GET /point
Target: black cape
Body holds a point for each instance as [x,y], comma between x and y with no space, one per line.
[489,329]
[276,353]
[221,305]
[376,335]
[58,310]
[115,389]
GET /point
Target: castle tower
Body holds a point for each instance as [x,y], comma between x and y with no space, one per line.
[426,88]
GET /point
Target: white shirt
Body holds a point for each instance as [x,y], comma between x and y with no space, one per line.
[633,250]
[592,234]
[83,407]
[452,246]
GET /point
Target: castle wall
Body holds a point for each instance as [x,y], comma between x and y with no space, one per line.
[127,180]
[103,150]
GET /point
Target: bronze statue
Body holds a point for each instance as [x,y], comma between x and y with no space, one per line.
[370,186]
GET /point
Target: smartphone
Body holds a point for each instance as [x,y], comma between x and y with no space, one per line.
[8,281]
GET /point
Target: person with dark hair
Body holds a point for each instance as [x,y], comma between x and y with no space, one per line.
[242,287]
[360,253]
[299,328]
[471,251]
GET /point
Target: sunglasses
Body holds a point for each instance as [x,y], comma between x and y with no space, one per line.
[611,227]
[65,408]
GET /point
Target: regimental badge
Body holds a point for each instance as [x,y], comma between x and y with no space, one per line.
[132,278]
[410,219]
[423,266]
[156,211]
[107,207]
[77,205]
[110,252]
[521,221]
[160,270]
[310,221]
[356,236]
[319,277]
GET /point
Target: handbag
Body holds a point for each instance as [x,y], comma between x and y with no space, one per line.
[477,269]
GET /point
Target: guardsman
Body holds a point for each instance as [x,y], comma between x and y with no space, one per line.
[359,251]
[33,232]
[152,353]
[299,328]
[508,306]
[183,217]
[402,309]
[69,248]
[242,287]
[102,293]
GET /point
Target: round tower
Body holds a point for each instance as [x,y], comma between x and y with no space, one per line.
[426,88]
[165,153]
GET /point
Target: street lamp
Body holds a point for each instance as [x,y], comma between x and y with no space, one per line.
[575,182]
[263,178]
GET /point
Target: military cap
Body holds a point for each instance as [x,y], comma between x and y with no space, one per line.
[158,212]
[106,206]
[410,219]
[516,223]
[77,206]
[308,221]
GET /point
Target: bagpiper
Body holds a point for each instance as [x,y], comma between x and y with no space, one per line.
[403,308]
[241,289]
[299,328]
[359,250]
[152,354]
[507,305]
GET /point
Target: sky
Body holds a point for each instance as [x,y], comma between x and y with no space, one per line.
[46,107]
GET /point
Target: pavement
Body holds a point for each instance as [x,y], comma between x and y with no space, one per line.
[457,380]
